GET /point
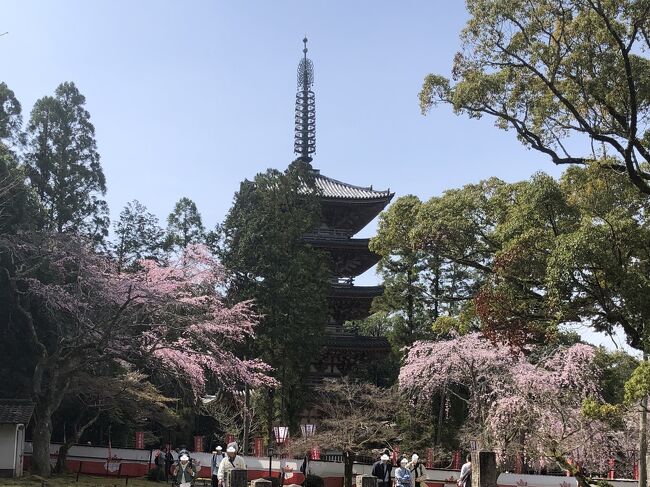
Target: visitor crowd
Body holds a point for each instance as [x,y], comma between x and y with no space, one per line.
[410,473]
[183,473]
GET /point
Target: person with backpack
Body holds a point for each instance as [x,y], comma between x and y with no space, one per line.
[418,472]
[184,473]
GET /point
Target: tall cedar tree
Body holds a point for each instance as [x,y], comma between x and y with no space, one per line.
[137,235]
[184,225]
[263,249]
[63,164]
[17,204]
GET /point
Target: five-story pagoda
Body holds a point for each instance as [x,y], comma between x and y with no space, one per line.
[345,210]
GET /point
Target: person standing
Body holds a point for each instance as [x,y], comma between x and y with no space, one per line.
[381,469]
[169,461]
[217,457]
[465,478]
[184,474]
[228,464]
[403,474]
[418,472]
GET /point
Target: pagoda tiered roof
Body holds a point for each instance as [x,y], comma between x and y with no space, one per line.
[333,189]
[348,257]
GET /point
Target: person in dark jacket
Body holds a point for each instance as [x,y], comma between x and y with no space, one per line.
[381,469]
[169,461]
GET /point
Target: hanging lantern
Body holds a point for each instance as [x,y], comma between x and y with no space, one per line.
[307,430]
[281,434]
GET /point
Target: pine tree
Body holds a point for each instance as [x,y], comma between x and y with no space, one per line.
[138,235]
[184,225]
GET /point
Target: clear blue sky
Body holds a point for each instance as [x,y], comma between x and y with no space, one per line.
[190,97]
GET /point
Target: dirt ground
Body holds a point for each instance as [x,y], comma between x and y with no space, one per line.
[84,481]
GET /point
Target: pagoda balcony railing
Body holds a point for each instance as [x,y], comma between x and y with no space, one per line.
[329,233]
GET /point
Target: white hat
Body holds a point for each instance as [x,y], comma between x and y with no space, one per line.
[403,461]
[232,447]
[219,448]
[384,457]
[184,458]
[415,457]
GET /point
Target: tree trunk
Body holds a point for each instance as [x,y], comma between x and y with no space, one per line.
[247,419]
[270,412]
[441,417]
[643,443]
[41,438]
[348,462]
[63,449]
[62,457]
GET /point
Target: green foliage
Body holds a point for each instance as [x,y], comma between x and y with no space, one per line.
[184,225]
[263,249]
[556,71]
[616,369]
[540,253]
[638,386]
[421,287]
[137,235]
[10,116]
[19,209]
[63,165]
[611,414]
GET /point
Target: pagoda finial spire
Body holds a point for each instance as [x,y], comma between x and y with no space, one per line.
[305,132]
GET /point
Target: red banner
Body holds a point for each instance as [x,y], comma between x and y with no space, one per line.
[395,458]
[429,457]
[314,453]
[259,447]
[139,439]
[198,443]
[455,462]
[229,438]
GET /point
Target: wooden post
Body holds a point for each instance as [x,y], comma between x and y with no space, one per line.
[484,469]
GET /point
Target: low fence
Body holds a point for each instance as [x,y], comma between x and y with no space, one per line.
[131,462]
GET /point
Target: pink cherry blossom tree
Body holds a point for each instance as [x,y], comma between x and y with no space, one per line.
[70,310]
[516,404]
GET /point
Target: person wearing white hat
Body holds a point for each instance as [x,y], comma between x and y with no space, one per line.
[217,457]
[232,462]
[403,474]
[184,473]
[418,472]
[381,469]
